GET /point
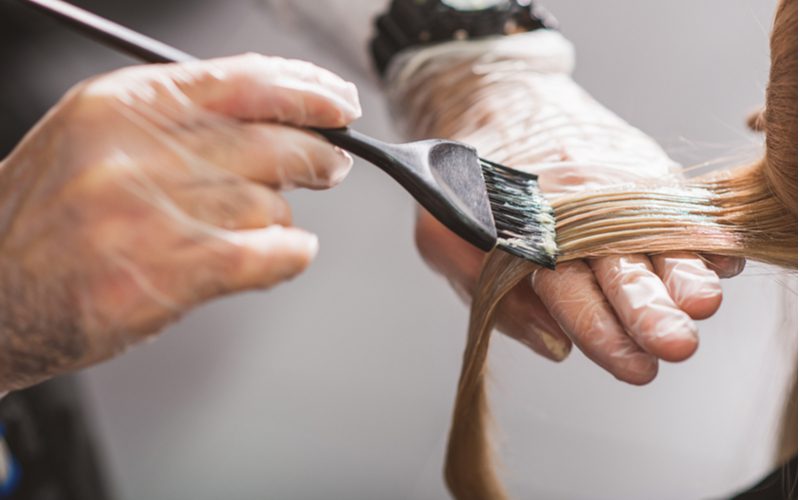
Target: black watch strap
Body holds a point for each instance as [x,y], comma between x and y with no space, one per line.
[410,23]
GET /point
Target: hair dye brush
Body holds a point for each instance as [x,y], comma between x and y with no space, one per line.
[484,203]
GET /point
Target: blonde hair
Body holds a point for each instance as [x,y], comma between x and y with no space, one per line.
[749,211]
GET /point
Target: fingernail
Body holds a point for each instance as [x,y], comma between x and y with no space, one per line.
[354,104]
[555,346]
[311,244]
[306,245]
[343,156]
[332,167]
[641,369]
[344,163]
[740,263]
[299,239]
[347,111]
[558,349]
[699,281]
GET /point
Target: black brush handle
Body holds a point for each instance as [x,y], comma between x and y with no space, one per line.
[371,149]
[110,33]
[405,163]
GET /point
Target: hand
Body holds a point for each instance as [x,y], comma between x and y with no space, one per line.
[152,189]
[624,312]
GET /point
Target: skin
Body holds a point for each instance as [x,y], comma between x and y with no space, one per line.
[153,189]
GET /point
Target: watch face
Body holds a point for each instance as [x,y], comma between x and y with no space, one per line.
[472,5]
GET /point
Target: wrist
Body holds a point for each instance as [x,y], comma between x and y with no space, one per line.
[433,89]
[513,99]
[39,335]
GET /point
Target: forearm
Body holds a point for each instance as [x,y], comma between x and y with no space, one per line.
[39,332]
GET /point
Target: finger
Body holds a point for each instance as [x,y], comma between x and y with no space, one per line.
[231,202]
[249,259]
[271,255]
[644,307]
[693,287]
[140,297]
[278,156]
[725,266]
[256,87]
[578,305]
[523,317]
[520,315]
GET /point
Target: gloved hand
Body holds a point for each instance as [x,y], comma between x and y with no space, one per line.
[623,312]
[152,189]
[514,100]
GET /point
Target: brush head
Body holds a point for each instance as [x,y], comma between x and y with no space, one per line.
[484,203]
[525,221]
[510,213]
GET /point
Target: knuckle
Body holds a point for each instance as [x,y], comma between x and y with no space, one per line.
[88,99]
[224,211]
[267,206]
[97,97]
[211,279]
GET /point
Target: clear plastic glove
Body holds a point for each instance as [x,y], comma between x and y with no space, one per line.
[152,189]
[514,100]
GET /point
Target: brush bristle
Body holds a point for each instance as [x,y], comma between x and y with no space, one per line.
[525,222]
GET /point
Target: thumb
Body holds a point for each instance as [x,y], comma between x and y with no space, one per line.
[268,256]
[229,262]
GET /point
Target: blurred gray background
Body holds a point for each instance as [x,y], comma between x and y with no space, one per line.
[339,385]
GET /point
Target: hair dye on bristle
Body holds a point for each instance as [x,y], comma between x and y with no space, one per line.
[525,221]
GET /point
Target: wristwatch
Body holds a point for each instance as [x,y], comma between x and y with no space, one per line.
[412,23]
